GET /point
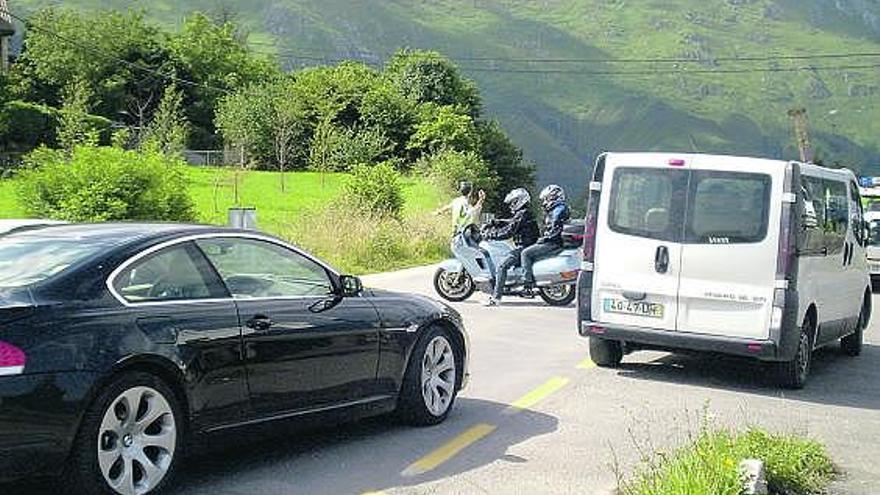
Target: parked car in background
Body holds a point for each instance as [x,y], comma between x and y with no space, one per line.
[10,225]
[121,342]
[726,254]
[872,218]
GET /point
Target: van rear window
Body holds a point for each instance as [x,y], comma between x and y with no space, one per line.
[698,207]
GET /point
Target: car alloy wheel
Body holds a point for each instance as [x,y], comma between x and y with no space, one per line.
[137,440]
[438,375]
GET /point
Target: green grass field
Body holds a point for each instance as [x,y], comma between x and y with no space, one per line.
[311,213]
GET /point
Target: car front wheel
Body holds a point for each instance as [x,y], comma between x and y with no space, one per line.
[130,439]
[432,379]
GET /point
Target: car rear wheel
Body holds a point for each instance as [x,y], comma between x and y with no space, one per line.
[130,439]
[558,295]
[793,374]
[606,353]
[453,286]
[432,379]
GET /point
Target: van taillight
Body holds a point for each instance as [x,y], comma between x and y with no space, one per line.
[591,223]
[12,359]
[785,251]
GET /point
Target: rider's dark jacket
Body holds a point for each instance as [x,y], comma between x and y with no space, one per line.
[554,223]
[522,228]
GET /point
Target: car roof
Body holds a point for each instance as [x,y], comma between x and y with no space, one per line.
[9,225]
[121,232]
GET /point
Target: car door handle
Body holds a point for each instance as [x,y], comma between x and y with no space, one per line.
[260,323]
[661,259]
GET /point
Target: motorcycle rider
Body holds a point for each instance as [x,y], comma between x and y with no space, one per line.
[521,227]
[556,213]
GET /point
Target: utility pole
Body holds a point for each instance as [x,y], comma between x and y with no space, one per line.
[7,29]
[801,133]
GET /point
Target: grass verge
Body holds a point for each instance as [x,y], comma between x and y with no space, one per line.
[709,465]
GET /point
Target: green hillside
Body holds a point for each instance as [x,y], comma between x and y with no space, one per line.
[564,112]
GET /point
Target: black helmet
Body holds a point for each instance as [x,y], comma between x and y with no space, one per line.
[465,187]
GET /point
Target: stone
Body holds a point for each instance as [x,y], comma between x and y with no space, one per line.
[753,477]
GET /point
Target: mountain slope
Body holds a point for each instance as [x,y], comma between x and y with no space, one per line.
[563,113]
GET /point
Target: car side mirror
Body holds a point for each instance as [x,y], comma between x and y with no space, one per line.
[350,286]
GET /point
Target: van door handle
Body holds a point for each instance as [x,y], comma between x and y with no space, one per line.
[661,259]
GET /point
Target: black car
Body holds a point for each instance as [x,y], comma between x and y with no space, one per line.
[119,343]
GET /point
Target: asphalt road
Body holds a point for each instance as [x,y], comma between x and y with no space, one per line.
[539,418]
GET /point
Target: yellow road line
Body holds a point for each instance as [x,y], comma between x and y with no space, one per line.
[586,364]
[449,450]
[373,493]
[537,395]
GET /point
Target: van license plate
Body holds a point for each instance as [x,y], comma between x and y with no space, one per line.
[635,308]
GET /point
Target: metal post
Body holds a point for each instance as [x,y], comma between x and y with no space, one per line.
[7,29]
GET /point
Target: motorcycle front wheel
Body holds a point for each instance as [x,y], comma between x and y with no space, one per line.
[558,295]
[453,286]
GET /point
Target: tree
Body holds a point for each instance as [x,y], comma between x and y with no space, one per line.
[212,55]
[444,128]
[74,126]
[286,123]
[429,77]
[169,129]
[243,125]
[505,159]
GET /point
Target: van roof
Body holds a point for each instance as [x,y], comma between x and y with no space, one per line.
[722,160]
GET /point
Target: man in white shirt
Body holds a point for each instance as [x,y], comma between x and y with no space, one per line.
[463,212]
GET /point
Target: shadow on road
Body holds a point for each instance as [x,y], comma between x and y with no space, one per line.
[349,458]
[835,379]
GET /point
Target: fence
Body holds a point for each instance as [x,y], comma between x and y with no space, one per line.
[211,158]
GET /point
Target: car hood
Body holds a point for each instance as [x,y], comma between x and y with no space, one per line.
[428,304]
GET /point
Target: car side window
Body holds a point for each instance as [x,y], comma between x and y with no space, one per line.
[253,268]
[177,273]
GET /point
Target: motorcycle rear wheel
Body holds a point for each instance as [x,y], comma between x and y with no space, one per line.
[558,295]
[453,286]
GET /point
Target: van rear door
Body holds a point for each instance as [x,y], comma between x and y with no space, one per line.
[730,242]
[638,253]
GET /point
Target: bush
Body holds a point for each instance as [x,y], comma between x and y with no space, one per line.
[375,190]
[710,465]
[104,184]
[361,243]
[448,167]
[29,125]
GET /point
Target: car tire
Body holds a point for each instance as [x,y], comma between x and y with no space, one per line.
[429,386]
[447,292]
[793,374]
[852,343]
[606,353]
[152,434]
[551,297]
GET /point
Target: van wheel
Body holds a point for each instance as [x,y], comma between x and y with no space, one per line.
[606,353]
[852,343]
[793,374]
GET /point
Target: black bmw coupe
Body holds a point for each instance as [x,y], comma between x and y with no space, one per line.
[120,343]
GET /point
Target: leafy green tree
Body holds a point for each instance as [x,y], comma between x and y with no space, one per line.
[242,119]
[169,129]
[448,167]
[444,128]
[385,110]
[286,123]
[429,77]
[74,127]
[505,159]
[212,55]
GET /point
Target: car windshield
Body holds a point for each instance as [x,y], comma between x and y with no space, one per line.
[28,260]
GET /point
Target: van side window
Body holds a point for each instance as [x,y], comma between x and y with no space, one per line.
[836,215]
[856,213]
[814,202]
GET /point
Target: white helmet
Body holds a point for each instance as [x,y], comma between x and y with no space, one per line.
[517,199]
[551,196]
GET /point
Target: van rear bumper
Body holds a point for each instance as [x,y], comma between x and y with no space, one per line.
[652,338]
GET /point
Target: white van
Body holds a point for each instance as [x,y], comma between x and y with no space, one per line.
[726,254]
